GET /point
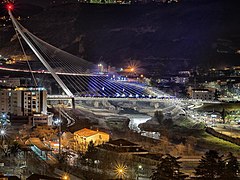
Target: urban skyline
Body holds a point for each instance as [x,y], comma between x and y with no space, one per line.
[70,111]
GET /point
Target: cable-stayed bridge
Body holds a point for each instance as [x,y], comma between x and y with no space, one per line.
[76,76]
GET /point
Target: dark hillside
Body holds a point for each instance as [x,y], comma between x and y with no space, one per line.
[183,34]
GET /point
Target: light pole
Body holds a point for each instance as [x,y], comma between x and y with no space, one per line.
[65,177]
[2,132]
[121,171]
[2,135]
[58,123]
[139,168]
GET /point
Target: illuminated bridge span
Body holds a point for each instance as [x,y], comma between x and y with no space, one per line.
[77,77]
[145,99]
[46,72]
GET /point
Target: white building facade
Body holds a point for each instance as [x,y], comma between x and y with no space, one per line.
[203,94]
[23,101]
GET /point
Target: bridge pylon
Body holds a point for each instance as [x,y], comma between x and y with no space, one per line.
[40,56]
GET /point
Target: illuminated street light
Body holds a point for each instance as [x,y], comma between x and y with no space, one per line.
[100,67]
[4,116]
[133,66]
[121,170]
[139,170]
[2,132]
[65,177]
[58,123]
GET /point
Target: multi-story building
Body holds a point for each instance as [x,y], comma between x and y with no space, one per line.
[4,100]
[84,136]
[203,94]
[23,101]
[10,82]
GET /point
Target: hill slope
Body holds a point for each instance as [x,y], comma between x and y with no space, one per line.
[189,33]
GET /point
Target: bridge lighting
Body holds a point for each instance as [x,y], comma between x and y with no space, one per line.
[10,7]
[103,88]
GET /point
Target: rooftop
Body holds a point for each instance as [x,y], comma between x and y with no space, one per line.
[40,177]
[86,132]
[38,143]
[122,142]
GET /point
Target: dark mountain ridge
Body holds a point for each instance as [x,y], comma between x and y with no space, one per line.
[170,36]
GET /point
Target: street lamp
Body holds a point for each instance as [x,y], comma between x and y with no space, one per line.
[2,132]
[120,170]
[58,122]
[65,177]
[100,68]
[138,170]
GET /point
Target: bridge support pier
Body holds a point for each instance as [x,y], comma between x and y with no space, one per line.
[156,105]
[96,104]
[73,103]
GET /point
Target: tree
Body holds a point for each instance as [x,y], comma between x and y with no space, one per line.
[231,167]
[211,166]
[91,153]
[14,148]
[168,168]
